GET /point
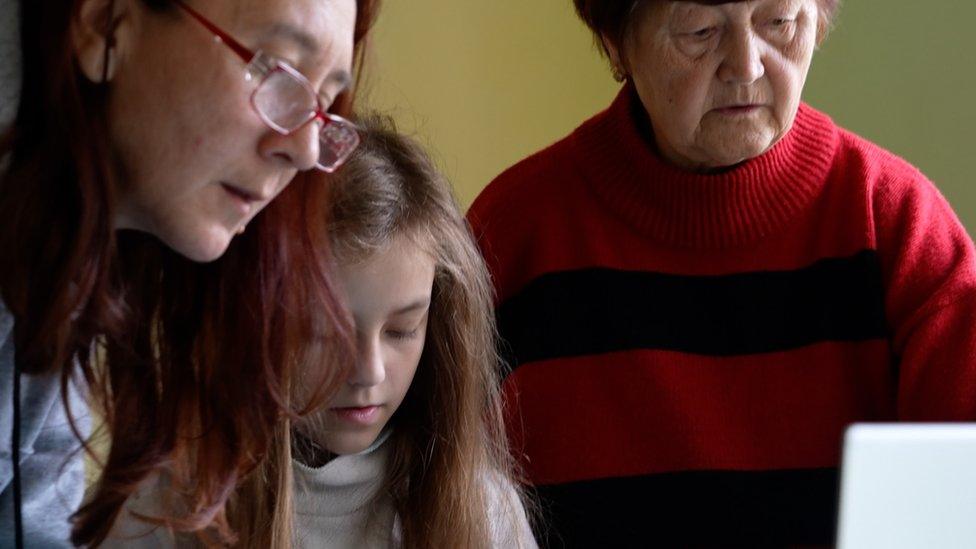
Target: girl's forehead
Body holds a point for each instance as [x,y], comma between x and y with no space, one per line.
[360,242]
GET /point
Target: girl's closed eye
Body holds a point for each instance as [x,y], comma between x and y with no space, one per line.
[403,334]
[410,327]
[409,322]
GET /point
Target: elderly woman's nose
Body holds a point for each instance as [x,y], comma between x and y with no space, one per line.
[743,62]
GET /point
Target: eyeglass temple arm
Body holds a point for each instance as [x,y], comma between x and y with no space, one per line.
[243,52]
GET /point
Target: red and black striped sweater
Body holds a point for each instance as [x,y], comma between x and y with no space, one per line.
[687,349]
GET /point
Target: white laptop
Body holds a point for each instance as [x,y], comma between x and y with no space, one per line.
[908,486]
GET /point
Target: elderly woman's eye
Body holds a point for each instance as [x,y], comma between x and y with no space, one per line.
[702,34]
[781,21]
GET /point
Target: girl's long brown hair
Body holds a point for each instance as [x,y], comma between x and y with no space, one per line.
[448,445]
[196,358]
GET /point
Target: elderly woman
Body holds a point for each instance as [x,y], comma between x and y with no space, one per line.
[702,285]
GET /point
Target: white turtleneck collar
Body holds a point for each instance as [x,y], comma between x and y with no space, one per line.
[340,505]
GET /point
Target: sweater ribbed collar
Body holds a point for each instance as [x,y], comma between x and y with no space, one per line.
[691,210]
[344,485]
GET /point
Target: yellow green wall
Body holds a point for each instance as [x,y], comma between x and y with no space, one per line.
[485,83]
[902,73]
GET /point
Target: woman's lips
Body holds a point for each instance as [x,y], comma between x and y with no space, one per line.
[737,109]
[241,199]
[362,415]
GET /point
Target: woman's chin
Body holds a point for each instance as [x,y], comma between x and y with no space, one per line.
[722,143]
[203,247]
[728,153]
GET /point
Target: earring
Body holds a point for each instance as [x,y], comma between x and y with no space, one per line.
[109,41]
[618,74]
[107,60]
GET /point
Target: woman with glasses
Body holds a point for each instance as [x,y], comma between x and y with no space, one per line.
[150,133]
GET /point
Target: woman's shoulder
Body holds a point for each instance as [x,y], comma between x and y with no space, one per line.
[913,224]
[43,419]
[892,185]
[853,155]
[895,186]
[129,530]
[904,203]
[866,161]
[509,524]
[6,323]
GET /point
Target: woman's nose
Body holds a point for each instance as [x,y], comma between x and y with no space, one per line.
[743,59]
[299,149]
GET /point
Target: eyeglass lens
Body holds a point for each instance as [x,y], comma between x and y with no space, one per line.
[286,104]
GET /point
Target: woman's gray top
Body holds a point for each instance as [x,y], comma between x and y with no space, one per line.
[52,473]
[51,464]
[10,61]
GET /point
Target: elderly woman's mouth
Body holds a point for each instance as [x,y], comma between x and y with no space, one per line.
[738,110]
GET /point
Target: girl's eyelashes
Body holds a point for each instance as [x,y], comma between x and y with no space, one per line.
[403,334]
[406,326]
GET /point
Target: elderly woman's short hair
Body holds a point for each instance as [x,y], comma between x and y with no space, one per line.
[610,17]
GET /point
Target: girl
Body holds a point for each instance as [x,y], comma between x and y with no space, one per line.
[141,147]
[410,452]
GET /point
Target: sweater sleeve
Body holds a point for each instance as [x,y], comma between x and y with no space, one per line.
[929,267]
[51,464]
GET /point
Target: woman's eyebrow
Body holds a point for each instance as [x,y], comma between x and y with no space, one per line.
[341,78]
[296,35]
[685,12]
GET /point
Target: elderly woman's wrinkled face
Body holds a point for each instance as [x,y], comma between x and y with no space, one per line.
[721,83]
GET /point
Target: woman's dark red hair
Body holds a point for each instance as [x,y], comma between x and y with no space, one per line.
[189,360]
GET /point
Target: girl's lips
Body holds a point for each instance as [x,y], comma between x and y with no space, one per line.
[365,415]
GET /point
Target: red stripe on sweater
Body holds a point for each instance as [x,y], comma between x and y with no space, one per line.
[645,412]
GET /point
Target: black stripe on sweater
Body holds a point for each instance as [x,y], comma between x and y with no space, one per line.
[692,509]
[593,311]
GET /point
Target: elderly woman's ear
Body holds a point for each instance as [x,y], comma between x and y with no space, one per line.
[618,65]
